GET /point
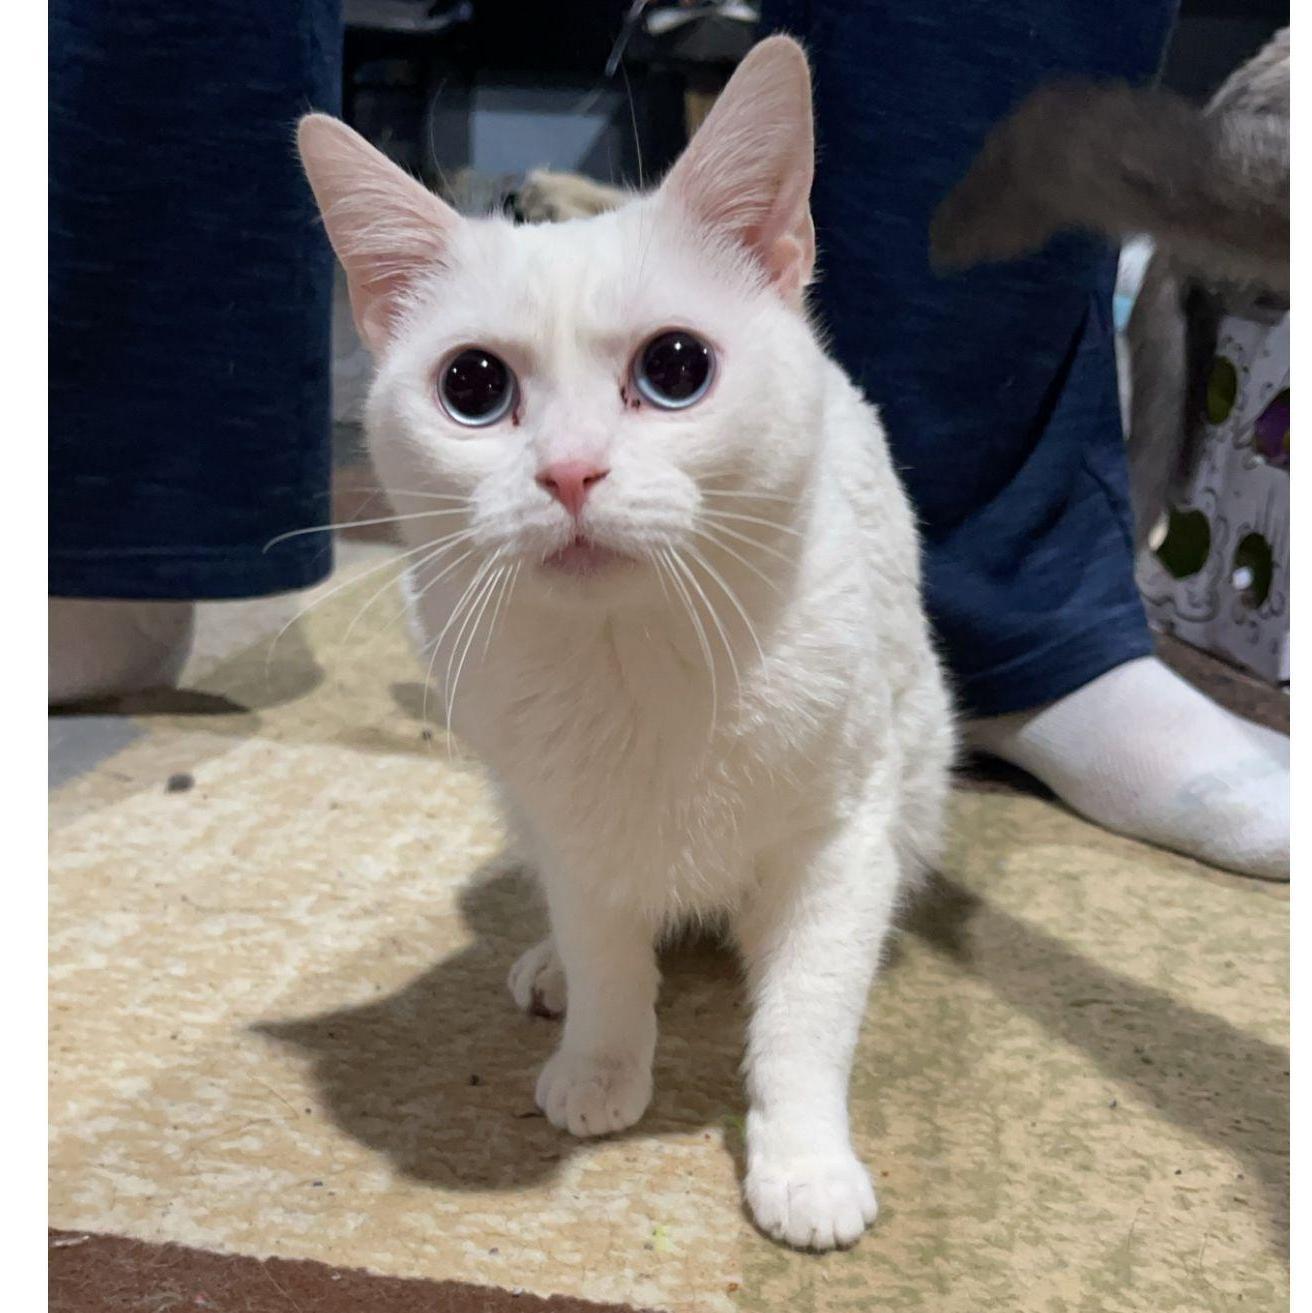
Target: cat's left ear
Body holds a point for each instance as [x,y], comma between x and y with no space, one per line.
[747,171]
[387,228]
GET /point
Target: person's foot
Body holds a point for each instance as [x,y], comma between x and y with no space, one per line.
[103,648]
[1140,751]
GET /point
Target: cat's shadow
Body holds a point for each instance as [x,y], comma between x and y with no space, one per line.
[439,1075]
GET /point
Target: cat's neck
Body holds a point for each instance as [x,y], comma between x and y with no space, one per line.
[698,648]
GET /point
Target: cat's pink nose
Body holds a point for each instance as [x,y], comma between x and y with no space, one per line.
[570,481]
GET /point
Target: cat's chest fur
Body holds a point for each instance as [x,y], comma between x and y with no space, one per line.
[603,743]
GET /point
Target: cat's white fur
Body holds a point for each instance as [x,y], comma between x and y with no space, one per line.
[779,762]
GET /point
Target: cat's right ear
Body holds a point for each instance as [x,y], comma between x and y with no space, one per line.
[386,228]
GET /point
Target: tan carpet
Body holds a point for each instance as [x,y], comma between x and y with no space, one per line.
[279,1026]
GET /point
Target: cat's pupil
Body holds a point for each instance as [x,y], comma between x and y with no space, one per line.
[675,366]
[476,385]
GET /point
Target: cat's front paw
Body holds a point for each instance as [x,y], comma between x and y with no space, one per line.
[811,1202]
[537,981]
[587,1094]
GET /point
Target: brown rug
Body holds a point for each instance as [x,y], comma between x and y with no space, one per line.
[110,1274]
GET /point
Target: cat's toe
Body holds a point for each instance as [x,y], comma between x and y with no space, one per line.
[537,981]
[811,1203]
[589,1095]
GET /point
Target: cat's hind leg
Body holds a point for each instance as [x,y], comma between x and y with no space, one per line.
[810,937]
[537,981]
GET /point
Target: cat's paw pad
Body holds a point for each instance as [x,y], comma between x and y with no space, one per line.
[811,1202]
[589,1095]
[537,981]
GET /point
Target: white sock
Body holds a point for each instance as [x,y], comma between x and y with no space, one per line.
[1140,751]
[103,648]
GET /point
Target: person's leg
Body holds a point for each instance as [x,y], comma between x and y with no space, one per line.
[998,389]
[190,287]
[1141,751]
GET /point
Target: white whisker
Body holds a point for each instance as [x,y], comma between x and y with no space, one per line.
[711,537]
[360,524]
[754,543]
[712,514]
[411,604]
[486,584]
[392,562]
[447,569]
[737,605]
[700,631]
[749,496]
[408,492]
[714,614]
[479,575]
[441,547]
[502,598]
[660,577]
[453,682]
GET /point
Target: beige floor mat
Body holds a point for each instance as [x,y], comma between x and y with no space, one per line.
[279,1026]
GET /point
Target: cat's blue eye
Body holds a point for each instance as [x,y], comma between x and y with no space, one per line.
[476,388]
[674,369]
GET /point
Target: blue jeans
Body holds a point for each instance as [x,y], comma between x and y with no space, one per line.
[190,297]
[190,287]
[998,386]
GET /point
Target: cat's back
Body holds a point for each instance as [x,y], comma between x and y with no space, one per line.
[864,524]
[868,553]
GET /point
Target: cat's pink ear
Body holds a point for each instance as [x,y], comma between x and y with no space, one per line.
[386,228]
[747,171]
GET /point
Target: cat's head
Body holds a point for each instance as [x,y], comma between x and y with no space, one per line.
[612,399]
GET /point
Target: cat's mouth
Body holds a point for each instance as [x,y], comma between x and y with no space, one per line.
[583,557]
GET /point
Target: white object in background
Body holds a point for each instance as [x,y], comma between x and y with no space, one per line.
[1130,269]
[1220,577]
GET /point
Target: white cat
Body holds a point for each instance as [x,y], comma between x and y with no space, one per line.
[672,600]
